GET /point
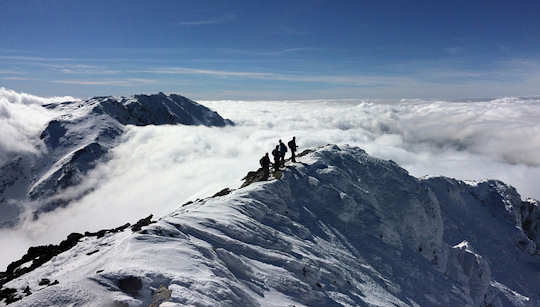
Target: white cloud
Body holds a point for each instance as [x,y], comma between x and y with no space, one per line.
[196,71]
[278,52]
[27,99]
[11,72]
[32,58]
[15,78]
[113,82]
[83,69]
[335,79]
[158,168]
[21,119]
[507,78]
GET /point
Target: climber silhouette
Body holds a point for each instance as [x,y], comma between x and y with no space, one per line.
[293,147]
[282,151]
[265,164]
[276,154]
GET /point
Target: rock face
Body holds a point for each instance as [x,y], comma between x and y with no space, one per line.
[79,138]
[339,228]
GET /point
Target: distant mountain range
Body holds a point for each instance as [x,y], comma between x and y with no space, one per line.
[79,138]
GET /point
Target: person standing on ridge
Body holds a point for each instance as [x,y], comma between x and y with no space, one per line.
[265,164]
[276,155]
[293,147]
[282,151]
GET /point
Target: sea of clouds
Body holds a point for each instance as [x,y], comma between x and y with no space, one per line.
[157,168]
[22,118]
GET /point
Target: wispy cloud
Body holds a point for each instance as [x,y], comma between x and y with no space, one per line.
[271,52]
[195,71]
[15,78]
[515,78]
[11,72]
[83,69]
[124,82]
[222,19]
[33,58]
[337,79]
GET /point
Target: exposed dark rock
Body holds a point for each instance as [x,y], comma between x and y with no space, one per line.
[9,295]
[9,173]
[160,296]
[530,217]
[92,252]
[52,134]
[253,176]
[305,152]
[141,223]
[222,192]
[258,175]
[130,285]
[98,234]
[187,203]
[39,255]
[103,232]
[69,174]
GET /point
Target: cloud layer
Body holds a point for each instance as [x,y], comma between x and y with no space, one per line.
[22,117]
[157,168]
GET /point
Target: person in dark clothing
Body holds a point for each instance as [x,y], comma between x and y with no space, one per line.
[277,156]
[282,151]
[265,164]
[292,147]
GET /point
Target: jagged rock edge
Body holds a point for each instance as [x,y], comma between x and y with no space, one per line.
[40,255]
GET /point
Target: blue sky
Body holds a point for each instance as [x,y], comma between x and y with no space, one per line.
[272,49]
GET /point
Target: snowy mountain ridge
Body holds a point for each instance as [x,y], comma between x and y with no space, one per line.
[339,228]
[80,137]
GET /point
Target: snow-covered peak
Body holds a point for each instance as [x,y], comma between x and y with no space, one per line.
[338,228]
[141,110]
[158,109]
[79,138]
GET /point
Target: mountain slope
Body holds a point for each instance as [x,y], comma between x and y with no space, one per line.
[80,137]
[340,228]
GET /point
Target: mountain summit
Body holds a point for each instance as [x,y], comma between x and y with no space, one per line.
[339,228]
[81,136]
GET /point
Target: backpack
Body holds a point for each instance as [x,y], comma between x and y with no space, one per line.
[292,145]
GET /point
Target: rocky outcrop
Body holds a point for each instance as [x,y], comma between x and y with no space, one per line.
[530,221]
[141,223]
[258,175]
[36,256]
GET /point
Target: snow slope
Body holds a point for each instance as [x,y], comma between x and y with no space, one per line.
[340,228]
[80,137]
